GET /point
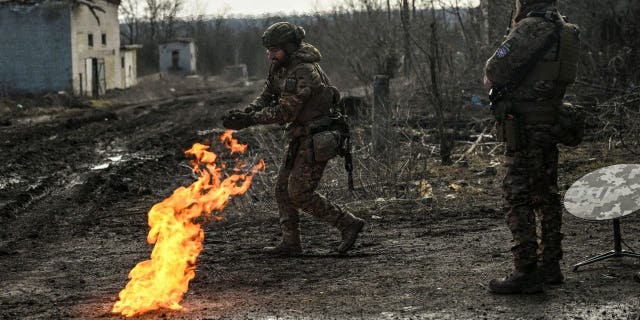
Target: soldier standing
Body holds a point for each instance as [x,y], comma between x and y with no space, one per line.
[298,93]
[528,76]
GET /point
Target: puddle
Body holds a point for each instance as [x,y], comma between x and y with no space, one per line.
[111,160]
[4,183]
[100,166]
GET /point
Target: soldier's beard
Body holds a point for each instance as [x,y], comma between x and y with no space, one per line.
[278,63]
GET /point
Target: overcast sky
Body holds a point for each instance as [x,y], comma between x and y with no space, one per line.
[257,7]
[264,7]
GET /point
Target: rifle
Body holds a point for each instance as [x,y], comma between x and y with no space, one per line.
[497,93]
[341,122]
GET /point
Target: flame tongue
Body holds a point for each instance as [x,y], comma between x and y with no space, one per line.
[162,281]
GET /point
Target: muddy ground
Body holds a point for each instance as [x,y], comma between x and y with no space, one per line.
[76,184]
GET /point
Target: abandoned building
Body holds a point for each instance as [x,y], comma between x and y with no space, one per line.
[63,45]
[178,57]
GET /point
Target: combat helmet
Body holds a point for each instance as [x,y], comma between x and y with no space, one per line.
[525,3]
[283,35]
[523,7]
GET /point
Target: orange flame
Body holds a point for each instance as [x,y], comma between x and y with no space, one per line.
[232,143]
[162,281]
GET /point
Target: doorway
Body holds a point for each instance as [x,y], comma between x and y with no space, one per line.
[99,83]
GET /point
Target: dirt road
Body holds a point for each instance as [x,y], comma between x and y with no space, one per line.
[75,188]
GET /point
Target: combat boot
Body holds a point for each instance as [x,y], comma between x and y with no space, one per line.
[290,244]
[551,273]
[526,281]
[350,227]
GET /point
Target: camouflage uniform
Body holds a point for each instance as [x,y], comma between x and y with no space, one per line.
[300,174]
[299,94]
[531,181]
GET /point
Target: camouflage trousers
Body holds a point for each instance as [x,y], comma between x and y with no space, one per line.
[298,179]
[531,189]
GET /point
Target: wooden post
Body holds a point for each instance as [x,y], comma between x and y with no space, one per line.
[406,28]
[381,114]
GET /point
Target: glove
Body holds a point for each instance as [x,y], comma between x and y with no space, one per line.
[236,111]
[237,120]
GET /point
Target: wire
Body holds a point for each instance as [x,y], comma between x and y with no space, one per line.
[628,247]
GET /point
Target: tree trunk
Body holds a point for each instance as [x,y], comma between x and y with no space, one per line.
[445,138]
[413,9]
[406,28]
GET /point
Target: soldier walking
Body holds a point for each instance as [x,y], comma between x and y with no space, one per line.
[528,76]
[298,93]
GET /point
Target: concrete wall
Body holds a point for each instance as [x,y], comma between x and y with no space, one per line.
[84,24]
[187,58]
[35,47]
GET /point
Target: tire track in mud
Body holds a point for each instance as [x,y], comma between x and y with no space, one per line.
[70,223]
[414,260]
[51,161]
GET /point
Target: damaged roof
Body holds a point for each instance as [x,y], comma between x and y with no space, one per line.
[34,2]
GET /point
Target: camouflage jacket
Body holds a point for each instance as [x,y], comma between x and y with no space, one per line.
[296,93]
[527,37]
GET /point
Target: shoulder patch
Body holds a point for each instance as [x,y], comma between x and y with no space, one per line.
[290,85]
[503,50]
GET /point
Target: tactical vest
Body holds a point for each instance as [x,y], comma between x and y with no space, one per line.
[320,102]
[561,62]
[557,65]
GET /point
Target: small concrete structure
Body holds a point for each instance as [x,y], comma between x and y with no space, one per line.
[128,63]
[61,45]
[178,57]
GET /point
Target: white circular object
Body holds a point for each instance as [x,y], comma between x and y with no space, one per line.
[607,193]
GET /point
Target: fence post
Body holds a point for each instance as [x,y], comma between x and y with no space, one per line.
[381,114]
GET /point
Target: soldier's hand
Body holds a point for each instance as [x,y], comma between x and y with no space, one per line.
[234,112]
[246,110]
[237,120]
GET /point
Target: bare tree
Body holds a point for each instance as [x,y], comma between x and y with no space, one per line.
[406,27]
[132,13]
[367,41]
[438,74]
[152,10]
[162,16]
[169,17]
